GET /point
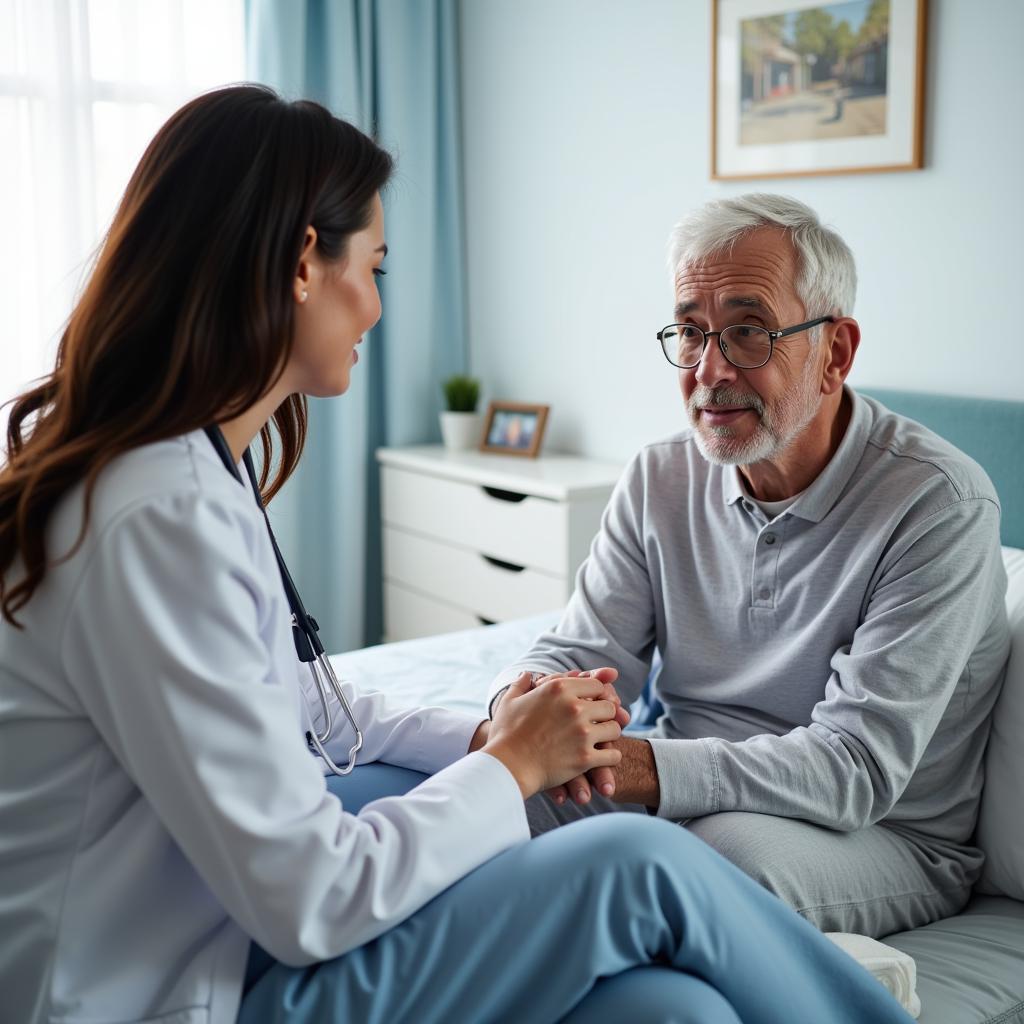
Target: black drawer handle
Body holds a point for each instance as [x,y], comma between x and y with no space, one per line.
[497,492]
[499,564]
[484,622]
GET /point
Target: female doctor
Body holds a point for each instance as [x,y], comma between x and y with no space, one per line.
[170,850]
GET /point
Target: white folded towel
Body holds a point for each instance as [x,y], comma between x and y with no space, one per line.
[894,969]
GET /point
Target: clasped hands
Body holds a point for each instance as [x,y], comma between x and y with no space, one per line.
[593,688]
[601,779]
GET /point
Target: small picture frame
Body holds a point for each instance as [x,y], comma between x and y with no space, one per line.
[514,428]
[804,87]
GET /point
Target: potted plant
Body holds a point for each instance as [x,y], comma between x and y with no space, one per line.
[460,424]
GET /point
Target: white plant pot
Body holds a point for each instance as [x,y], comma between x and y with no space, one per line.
[460,430]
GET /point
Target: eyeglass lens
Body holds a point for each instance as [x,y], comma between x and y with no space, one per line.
[743,345]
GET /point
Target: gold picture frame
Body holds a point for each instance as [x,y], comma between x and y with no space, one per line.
[514,428]
[822,87]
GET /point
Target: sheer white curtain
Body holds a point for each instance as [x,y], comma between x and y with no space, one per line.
[84,85]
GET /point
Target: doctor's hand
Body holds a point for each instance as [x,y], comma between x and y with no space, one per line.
[602,779]
[548,734]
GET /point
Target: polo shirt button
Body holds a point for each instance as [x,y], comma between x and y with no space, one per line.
[764,593]
[769,538]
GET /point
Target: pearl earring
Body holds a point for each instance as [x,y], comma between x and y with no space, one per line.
[304,296]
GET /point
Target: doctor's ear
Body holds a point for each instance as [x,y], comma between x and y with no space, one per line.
[304,274]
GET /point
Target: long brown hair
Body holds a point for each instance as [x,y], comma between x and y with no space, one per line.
[188,314]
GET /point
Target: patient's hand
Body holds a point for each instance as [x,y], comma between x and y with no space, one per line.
[601,779]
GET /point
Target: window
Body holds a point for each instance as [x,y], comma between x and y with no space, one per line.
[84,85]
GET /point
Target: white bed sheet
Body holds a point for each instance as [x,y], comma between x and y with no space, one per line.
[453,670]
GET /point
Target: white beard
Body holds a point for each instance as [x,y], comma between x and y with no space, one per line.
[776,431]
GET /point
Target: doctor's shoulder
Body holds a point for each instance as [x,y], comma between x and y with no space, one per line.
[165,493]
[159,536]
[158,472]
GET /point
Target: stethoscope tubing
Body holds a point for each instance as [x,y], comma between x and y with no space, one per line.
[305,630]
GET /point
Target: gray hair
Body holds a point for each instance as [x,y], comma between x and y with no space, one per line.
[826,274]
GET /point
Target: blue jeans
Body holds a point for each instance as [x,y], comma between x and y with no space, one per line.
[619,917]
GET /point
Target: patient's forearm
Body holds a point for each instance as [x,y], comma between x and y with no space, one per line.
[636,775]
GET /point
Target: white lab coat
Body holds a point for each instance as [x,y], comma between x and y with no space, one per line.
[158,805]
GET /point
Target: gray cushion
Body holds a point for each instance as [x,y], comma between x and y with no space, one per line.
[970,968]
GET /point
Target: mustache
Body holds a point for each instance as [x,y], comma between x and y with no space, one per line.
[704,397]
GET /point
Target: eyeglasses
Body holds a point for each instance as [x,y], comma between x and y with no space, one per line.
[744,345]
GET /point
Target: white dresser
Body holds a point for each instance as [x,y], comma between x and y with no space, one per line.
[473,538]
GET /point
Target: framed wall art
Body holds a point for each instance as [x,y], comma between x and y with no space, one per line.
[815,87]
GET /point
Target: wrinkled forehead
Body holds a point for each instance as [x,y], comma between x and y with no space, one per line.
[761,264]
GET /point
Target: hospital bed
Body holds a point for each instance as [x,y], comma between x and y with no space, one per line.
[970,967]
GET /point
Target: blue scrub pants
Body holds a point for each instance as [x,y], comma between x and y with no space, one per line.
[616,918]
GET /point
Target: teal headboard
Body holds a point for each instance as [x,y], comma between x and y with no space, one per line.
[990,431]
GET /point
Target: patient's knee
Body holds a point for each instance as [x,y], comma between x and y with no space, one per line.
[757,844]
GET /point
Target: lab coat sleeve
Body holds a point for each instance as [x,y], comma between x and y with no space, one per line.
[165,639]
[425,739]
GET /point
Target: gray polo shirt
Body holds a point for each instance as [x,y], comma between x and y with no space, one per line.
[838,664]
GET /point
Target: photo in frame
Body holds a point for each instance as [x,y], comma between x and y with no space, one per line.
[802,87]
[514,428]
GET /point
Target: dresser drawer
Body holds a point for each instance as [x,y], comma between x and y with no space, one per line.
[525,530]
[494,590]
[410,615]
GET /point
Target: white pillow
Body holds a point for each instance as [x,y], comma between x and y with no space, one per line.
[1001,823]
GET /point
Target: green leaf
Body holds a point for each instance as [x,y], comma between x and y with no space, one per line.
[461,393]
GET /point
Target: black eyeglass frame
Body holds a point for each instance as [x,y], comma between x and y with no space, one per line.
[773,337]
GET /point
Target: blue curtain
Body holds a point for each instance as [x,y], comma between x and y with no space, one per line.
[390,67]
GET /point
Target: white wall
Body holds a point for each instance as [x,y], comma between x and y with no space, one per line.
[586,134]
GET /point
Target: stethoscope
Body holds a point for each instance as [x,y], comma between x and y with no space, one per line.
[305,629]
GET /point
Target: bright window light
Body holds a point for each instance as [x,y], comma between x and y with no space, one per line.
[84,85]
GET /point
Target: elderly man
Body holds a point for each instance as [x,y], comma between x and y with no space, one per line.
[822,580]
